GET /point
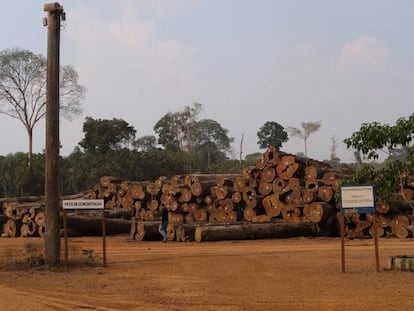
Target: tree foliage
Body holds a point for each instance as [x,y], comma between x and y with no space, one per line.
[145,143]
[177,129]
[15,179]
[205,140]
[102,135]
[307,129]
[271,134]
[23,89]
[373,137]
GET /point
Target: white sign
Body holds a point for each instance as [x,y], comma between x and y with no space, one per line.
[83,204]
[358,199]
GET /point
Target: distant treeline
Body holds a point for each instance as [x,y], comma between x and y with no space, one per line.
[81,170]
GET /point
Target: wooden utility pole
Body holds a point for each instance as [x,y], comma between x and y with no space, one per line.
[52,182]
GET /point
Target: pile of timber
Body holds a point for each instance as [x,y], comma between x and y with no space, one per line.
[279,189]
[23,217]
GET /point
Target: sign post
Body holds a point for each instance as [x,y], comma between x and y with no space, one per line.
[84,204]
[358,199]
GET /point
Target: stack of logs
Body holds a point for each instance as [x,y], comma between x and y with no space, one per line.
[25,216]
[279,188]
[23,219]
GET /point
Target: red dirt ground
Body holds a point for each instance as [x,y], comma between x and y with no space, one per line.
[280,274]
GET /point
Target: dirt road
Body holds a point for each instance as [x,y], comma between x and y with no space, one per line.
[282,274]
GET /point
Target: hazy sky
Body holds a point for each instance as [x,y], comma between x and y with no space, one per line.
[342,63]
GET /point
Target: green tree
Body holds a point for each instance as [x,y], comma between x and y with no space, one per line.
[212,140]
[145,143]
[176,129]
[205,140]
[23,90]
[16,180]
[374,137]
[271,134]
[103,135]
[396,142]
[307,129]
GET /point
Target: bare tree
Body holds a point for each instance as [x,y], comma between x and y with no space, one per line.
[307,129]
[23,90]
[334,159]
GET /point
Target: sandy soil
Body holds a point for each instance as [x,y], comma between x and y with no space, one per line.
[282,274]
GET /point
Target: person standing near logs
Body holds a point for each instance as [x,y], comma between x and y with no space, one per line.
[162,228]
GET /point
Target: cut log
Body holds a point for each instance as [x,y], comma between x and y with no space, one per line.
[308,197]
[10,229]
[383,220]
[329,178]
[336,185]
[280,186]
[148,231]
[311,185]
[175,218]
[246,172]
[28,230]
[265,188]
[239,184]
[325,193]
[249,231]
[380,231]
[382,207]
[272,205]
[220,192]
[133,231]
[271,157]
[136,191]
[292,197]
[185,195]
[310,172]
[399,226]
[354,226]
[104,181]
[171,232]
[140,232]
[236,197]
[260,164]
[249,213]
[291,213]
[40,218]
[317,211]
[197,189]
[255,176]
[287,167]
[184,233]
[41,231]
[261,218]
[200,215]
[268,174]
[152,189]
[249,197]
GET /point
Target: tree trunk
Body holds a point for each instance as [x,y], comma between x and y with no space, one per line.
[249,231]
